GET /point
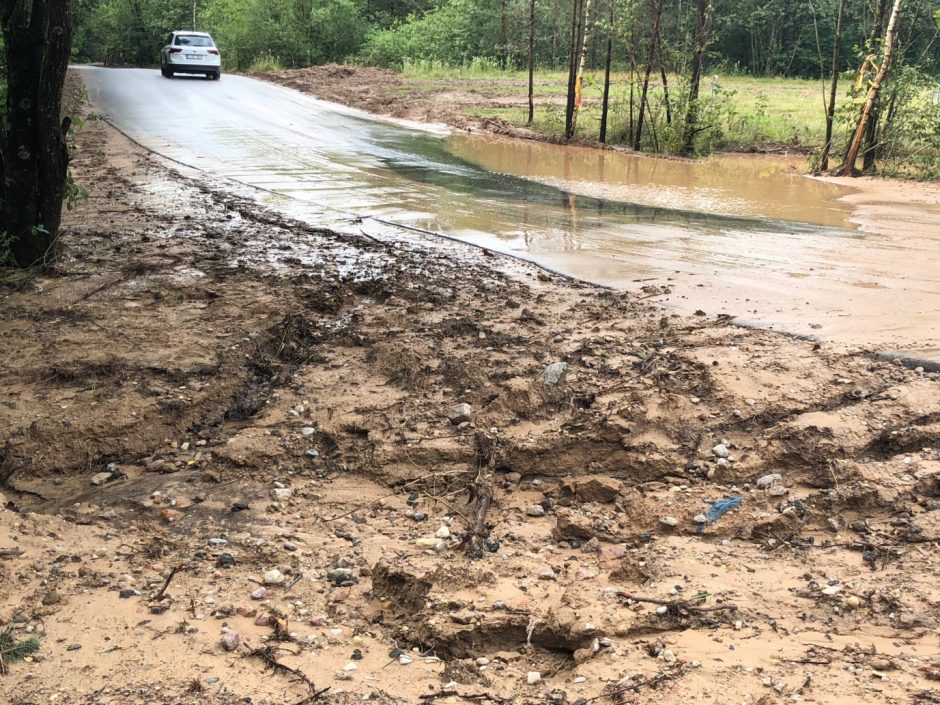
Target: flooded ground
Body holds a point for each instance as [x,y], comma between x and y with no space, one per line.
[745,236]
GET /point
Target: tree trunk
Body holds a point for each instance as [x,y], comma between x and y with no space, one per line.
[572,62]
[873,90]
[665,80]
[606,101]
[579,80]
[654,44]
[698,59]
[831,108]
[531,61]
[37,42]
[504,33]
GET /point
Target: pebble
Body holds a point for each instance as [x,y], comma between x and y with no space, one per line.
[533,677]
[669,656]
[273,577]
[777,491]
[259,594]
[547,574]
[308,431]
[768,480]
[405,659]
[430,542]
[853,602]
[338,576]
[554,373]
[720,451]
[483,661]
[350,667]
[230,641]
[282,493]
[240,506]
[443,533]
[536,510]
[312,453]
[73,647]
[288,546]
[669,521]
[218,542]
[100,478]
[225,560]
[700,519]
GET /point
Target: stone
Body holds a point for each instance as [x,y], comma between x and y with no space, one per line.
[700,519]
[339,576]
[218,542]
[282,493]
[99,478]
[273,577]
[483,661]
[777,491]
[554,374]
[350,667]
[880,663]
[572,525]
[720,451]
[669,521]
[308,431]
[853,602]
[536,510]
[668,655]
[225,560]
[533,677]
[429,543]
[592,488]
[459,413]
[230,641]
[547,574]
[405,659]
[240,505]
[259,594]
[767,480]
[443,533]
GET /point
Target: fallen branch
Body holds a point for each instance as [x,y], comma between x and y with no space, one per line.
[166,584]
[266,654]
[470,697]
[675,606]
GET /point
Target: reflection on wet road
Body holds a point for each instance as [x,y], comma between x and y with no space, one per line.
[740,235]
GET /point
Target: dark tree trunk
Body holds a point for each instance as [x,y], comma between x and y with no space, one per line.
[831,108]
[531,60]
[606,102]
[37,41]
[665,80]
[572,62]
[699,44]
[654,45]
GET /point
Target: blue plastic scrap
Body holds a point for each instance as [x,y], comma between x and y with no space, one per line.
[720,507]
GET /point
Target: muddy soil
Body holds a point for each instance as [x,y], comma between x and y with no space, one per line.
[388,93]
[236,469]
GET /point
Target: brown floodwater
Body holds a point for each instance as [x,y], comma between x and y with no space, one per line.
[743,235]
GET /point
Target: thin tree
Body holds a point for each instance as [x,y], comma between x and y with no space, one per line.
[37,38]
[531,61]
[699,44]
[579,80]
[606,100]
[831,108]
[572,62]
[874,88]
[651,56]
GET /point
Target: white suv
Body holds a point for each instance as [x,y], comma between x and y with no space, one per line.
[190,52]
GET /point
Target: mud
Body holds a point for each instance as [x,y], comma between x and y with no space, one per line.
[207,355]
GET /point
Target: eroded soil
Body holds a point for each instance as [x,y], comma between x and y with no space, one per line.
[254,394]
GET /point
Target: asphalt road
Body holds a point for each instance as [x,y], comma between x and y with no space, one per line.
[323,162]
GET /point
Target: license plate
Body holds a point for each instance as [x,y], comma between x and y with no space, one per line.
[193,56]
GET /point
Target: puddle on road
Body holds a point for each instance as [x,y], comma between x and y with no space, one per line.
[761,186]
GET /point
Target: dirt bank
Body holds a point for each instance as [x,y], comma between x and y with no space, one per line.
[204,397]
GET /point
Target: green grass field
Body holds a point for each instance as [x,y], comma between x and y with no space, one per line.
[751,113]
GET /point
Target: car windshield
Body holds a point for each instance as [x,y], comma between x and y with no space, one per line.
[193,40]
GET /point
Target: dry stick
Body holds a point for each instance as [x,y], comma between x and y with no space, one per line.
[166,583]
[393,493]
[266,656]
[661,678]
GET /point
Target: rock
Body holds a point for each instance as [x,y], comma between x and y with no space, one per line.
[73,647]
[282,493]
[288,546]
[124,594]
[880,663]
[339,576]
[273,577]
[405,659]
[853,602]
[170,515]
[668,655]
[669,521]
[592,488]
[536,510]
[240,505]
[100,478]
[700,519]
[720,451]
[218,542]
[483,661]
[443,533]
[342,676]
[554,374]
[225,560]
[572,525]
[768,480]
[431,543]
[308,431]
[459,413]
[350,667]
[259,594]
[777,491]
[230,641]
[533,677]
[547,574]
[312,453]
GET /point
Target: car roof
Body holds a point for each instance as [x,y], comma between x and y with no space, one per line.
[191,34]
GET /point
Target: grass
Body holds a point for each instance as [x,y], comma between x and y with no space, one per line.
[265,63]
[756,112]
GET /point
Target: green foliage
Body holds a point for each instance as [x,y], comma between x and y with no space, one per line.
[265,63]
[455,33]
[13,649]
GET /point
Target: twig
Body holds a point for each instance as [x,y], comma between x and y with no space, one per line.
[266,655]
[166,584]
[11,552]
[293,582]
[635,687]
[676,605]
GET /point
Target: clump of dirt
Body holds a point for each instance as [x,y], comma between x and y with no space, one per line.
[234,471]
